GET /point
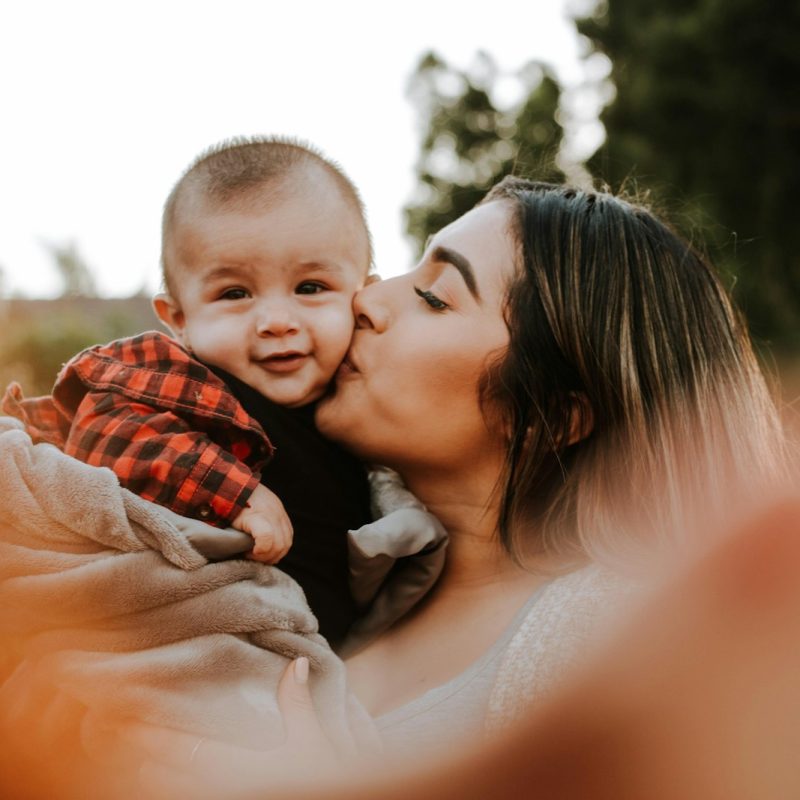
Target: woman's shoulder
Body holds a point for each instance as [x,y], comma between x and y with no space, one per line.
[569,614]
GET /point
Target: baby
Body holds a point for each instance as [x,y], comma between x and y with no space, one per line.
[264,246]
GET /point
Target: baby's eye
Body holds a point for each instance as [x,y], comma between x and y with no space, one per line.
[234,293]
[310,287]
[431,299]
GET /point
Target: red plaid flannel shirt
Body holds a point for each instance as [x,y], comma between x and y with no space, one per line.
[165,424]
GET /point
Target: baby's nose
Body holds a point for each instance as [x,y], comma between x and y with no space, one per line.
[275,319]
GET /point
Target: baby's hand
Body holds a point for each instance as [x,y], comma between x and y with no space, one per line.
[265,519]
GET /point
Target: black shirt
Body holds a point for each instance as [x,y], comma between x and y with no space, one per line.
[325,492]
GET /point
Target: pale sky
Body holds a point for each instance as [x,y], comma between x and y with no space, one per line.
[104,104]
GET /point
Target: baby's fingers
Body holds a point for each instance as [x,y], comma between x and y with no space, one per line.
[284,536]
[276,544]
[266,551]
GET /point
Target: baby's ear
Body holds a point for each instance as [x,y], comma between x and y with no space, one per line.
[373,277]
[169,312]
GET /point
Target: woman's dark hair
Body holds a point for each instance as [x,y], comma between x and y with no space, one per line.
[629,390]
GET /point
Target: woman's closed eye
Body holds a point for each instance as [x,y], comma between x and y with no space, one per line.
[436,303]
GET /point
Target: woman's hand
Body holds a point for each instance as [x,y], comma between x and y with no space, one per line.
[178,764]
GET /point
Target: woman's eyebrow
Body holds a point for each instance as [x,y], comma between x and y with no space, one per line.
[448,256]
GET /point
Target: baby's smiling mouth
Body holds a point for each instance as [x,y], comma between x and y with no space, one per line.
[286,361]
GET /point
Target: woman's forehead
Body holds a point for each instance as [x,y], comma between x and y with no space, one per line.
[484,238]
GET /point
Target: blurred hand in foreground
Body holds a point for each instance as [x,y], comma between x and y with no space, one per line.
[698,698]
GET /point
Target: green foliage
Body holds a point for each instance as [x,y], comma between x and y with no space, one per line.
[34,355]
[38,336]
[75,272]
[41,335]
[470,142]
[707,117]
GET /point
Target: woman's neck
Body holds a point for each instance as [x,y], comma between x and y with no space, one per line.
[468,509]
[467,505]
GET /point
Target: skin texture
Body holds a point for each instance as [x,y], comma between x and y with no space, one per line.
[264,288]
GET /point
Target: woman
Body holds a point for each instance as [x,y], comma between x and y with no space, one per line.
[563,382]
[597,390]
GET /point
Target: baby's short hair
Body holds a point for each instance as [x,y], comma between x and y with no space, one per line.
[237,171]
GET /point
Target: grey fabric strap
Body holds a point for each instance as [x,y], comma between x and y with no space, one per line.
[394,562]
[215,544]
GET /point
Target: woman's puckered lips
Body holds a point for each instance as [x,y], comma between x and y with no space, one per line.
[348,364]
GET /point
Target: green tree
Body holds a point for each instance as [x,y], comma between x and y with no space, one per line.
[707,118]
[469,142]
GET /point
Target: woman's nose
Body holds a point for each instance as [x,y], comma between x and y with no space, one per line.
[371,306]
[275,319]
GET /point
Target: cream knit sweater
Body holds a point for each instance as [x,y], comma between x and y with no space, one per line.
[555,635]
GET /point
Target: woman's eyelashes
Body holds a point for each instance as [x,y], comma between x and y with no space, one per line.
[431,299]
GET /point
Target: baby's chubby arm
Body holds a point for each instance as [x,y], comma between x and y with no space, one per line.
[157,455]
[266,520]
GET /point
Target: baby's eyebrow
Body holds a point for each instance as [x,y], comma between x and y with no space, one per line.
[322,269]
[324,266]
[225,271]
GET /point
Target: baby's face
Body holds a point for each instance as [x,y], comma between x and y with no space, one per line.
[266,294]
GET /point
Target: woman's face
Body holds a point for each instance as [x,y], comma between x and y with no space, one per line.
[408,391]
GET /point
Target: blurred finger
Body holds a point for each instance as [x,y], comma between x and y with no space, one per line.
[303,729]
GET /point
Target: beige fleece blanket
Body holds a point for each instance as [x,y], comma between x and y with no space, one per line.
[107,612]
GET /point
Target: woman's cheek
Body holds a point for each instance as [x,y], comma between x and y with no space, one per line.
[440,392]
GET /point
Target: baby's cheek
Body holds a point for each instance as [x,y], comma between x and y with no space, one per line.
[218,343]
[335,332]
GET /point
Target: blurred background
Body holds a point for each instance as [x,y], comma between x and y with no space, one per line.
[690,105]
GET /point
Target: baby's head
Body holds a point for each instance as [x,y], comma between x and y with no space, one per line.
[264,244]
